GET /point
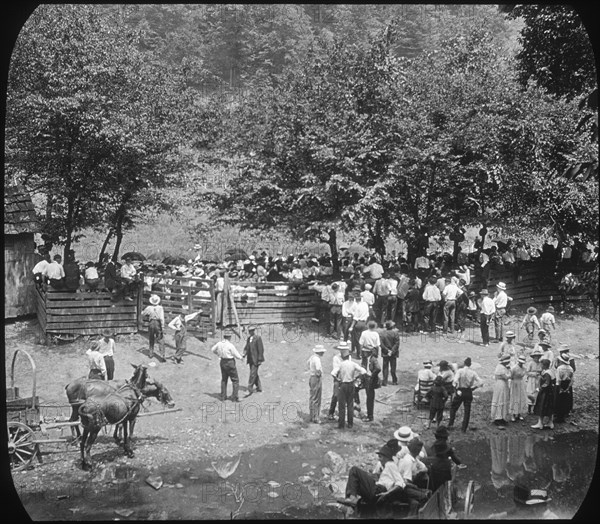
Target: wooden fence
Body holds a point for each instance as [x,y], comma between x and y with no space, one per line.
[189,295]
[83,313]
[537,285]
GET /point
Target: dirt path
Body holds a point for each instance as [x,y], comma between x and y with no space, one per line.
[176,444]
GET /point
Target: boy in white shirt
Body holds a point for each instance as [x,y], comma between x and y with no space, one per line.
[548,321]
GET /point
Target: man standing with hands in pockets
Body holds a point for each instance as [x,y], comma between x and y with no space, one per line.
[254,353]
[465,381]
[227,354]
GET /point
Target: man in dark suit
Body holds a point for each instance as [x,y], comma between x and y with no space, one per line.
[254,353]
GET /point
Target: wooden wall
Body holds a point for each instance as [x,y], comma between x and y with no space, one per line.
[19,260]
[189,296]
[84,313]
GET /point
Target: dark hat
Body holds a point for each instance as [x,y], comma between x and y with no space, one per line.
[106,332]
[484,292]
[386,452]
[390,324]
[393,445]
[251,328]
[227,333]
[440,448]
[441,432]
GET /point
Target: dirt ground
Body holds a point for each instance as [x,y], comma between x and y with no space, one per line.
[207,428]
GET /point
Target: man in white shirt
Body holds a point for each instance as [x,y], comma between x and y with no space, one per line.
[347,373]
[487,309]
[392,302]
[347,316]
[360,318]
[96,363]
[40,271]
[432,298]
[374,270]
[128,273]
[336,361]
[410,466]
[56,273]
[369,299]
[381,290]
[369,343]
[315,370]
[484,261]
[156,324]
[106,347]
[336,299]
[227,354]
[500,302]
[450,294]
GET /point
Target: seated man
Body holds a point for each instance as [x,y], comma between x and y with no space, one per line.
[411,468]
[440,468]
[424,375]
[367,487]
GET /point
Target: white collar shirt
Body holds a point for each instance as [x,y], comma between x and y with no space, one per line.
[501,299]
[361,311]
[487,306]
[225,349]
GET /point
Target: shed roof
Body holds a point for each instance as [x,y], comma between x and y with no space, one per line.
[19,213]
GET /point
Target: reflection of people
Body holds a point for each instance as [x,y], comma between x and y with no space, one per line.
[499,454]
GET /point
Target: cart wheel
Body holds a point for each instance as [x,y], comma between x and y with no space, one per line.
[21,446]
[469,498]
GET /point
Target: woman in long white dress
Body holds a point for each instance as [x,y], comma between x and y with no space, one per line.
[518,394]
[533,369]
[501,394]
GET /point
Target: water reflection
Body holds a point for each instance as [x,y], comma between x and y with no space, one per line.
[563,465]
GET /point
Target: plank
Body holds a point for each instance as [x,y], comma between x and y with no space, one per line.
[100,310]
[70,296]
[90,331]
[81,303]
[91,318]
[67,327]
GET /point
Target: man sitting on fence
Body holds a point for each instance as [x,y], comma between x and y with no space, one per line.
[128,272]
[56,273]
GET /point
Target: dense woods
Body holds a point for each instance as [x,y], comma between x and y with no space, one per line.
[375,121]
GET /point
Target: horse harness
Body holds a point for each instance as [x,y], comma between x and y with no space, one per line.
[98,409]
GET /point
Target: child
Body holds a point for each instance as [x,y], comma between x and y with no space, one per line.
[547,321]
[437,397]
[530,322]
[179,325]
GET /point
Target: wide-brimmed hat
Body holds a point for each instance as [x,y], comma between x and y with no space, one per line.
[319,348]
[343,345]
[563,358]
[344,353]
[368,286]
[154,300]
[545,343]
[563,347]
[484,292]
[537,352]
[531,310]
[537,496]
[550,309]
[501,285]
[521,359]
[441,432]
[542,331]
[106,332]
[251,328]
[504,358]
[428,364]
[403,434]
[197,247]
[510,334]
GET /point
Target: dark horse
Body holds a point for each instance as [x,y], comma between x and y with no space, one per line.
[118,407]
[82,388]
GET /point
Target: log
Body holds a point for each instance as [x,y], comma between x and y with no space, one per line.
[152,413]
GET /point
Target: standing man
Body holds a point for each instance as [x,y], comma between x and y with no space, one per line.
[382,292]
[487,309]
[337,360]
[96,363]
[465,382]
[106,347]
[254,352]
[336,299]
[371,382]
[359,322]
[314,382]
[347,373]
[227,354]
[156,324]
[450,294]
[369,343]
[432,298]
[390,347]
[500,302]
[56,273]
[347,316]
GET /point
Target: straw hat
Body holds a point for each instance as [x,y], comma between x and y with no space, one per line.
[563,358]
[154,300]
[343,345]
[106,332]
[550,309]
[522,359]
[428,364]
[510,334]
[404,434]
[545,343]
[531,310]
[504,358]
[501,285]
[319,349]
[537,352]
[484,292]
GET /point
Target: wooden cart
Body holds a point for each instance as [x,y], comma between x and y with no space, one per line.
[26,420]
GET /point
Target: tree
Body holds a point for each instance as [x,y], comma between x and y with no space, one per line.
[89,118]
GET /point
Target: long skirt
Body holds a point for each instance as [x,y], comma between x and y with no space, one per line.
[530,389]
[563,400]
[518,397]
[544,403]
[500,400]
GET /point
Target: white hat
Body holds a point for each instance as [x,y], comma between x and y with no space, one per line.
[343,345]
[251,257]
[319,349]
[404,434]
[368,286]
[154,300]
[197,247]
[501,285]
[428,364]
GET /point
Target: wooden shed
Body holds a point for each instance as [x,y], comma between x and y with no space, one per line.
[20,223]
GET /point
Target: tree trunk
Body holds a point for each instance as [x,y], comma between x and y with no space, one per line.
[119,234]
[335,261]
[68,228]
[105,244]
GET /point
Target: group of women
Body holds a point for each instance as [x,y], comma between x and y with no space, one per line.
[542,385]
